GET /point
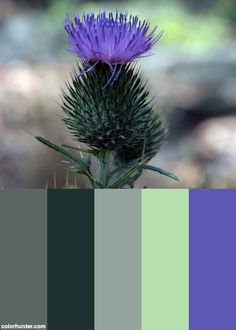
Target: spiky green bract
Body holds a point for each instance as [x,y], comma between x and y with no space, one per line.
[117,123]
[116,117]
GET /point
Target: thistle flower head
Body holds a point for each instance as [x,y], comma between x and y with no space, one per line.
[118,118]
[111,39]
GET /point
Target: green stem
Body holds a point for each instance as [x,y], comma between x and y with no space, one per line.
[105,164]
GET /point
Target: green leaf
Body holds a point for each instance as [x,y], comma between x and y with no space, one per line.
[88,151]
[84,168]
[161,171]
[123,178]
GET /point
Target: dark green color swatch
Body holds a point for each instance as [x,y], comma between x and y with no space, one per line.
[70,259]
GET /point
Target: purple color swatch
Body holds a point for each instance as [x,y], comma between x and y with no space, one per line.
[212,259]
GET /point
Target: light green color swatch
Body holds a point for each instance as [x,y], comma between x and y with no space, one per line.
[165,265]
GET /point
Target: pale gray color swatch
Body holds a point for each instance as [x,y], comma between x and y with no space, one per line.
[23,257]
[118,259]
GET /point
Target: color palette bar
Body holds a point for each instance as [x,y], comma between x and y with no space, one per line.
[23,257]
[118,259]
[212,259]
[70,259]
[165,259]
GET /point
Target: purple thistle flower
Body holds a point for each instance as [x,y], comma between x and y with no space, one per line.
[112,39]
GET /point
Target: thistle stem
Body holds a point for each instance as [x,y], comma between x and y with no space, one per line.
[105,167]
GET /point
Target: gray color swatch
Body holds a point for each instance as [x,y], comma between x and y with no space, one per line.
[118,259]
[23,257]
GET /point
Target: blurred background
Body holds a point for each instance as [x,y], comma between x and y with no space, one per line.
[192,72]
